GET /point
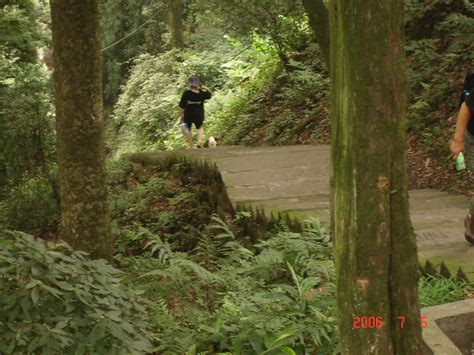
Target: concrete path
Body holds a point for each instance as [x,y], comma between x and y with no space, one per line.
[295,179]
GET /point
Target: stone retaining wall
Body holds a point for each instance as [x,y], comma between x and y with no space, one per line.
[450,329]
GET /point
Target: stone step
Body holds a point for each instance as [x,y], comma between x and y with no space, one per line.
[441,217]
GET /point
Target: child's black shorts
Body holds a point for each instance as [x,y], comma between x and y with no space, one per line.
[198,121]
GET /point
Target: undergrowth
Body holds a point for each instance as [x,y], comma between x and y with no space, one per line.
[224,295]
[436,290]
[214,291]
[55,300]
[191,282]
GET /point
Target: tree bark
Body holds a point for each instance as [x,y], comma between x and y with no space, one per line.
[175,19]
[375,247]
[80,126]
[318,16]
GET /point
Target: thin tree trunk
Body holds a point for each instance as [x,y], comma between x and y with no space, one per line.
[80,126]
[318,16]
[375,247]
[175,19]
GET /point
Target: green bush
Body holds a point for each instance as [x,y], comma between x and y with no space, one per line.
[30,206]
[273,106]
[117,172]
[434,291]
[223,297]
[56,301]
[146,113]
[166,205]
[134,203]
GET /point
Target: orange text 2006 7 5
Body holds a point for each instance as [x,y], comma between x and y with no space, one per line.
[377,322]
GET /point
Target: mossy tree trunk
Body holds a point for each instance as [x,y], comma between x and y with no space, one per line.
[375,247]
[318,16]
[80,126]
[175,19]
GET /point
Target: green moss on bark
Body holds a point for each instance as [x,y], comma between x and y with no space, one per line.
[375,248]
[175,14]
[80,126]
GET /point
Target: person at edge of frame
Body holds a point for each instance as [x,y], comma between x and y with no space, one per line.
[463,141]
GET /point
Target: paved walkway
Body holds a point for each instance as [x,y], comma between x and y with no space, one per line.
[295,179]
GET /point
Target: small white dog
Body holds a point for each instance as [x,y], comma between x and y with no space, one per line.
[212,142]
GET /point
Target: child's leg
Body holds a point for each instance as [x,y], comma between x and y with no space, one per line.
[200,133]
[189,138]
[469,156]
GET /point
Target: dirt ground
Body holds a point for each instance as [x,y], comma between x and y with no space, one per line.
[428,172]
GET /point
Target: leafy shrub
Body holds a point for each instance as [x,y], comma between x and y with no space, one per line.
[235,113]
[224,297]
[27,138]
[146,113]
[30,206]
[118,171]
[56,301]
[157,200]
[273,107]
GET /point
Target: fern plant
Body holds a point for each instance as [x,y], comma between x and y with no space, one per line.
[276,298]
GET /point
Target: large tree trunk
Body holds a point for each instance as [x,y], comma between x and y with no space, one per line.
[175,19]
[80,126]
[318,16]
[375,247]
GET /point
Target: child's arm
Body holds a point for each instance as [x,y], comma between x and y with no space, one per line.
[464,115]
[205,88]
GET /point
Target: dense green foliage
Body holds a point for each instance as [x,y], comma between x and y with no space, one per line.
[167,206]
[54,300]
[281,290]
[239,60]
[31,206]
[211,289]
[275,107]
[281,24]
[277,93]
[119,19]
[216,292]
[26,126]
[146,116]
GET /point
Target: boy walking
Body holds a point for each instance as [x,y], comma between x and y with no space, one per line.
[192,108]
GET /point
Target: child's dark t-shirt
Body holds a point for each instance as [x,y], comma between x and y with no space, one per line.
[193,104]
